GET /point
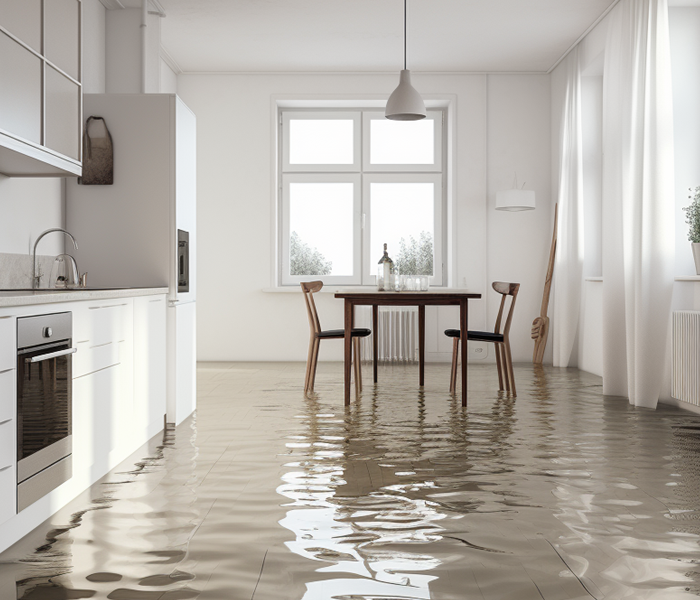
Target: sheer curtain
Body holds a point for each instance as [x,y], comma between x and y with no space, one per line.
[569,258]
[638,199]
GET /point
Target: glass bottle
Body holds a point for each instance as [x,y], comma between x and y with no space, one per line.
[385,273]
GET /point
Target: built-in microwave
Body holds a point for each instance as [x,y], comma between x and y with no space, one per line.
[183,261]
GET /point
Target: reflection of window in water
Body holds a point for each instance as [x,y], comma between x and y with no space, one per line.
[350,507]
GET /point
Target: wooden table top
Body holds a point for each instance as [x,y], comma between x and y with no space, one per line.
[430,296]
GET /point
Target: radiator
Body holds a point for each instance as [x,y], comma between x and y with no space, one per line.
[686,356]
[398,333]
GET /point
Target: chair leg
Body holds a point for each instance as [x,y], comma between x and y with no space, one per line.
[309,363]
[358,365]
[317,344]
[504,365]
[453,374]
[499,366]
[511,375]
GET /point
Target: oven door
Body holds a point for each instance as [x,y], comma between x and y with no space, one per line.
[43,407]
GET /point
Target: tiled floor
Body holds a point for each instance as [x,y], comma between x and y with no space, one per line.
[558,494]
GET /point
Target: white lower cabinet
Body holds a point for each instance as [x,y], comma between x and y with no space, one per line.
[150,363]
[8,422]
[118,390]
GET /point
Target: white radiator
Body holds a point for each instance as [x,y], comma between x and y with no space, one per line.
[686,356]
[398,333]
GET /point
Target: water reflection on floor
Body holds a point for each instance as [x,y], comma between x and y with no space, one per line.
[558,494]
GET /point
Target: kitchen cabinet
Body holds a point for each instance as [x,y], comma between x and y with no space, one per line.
[40,88]
[118,395]
[8,423]
[150,363]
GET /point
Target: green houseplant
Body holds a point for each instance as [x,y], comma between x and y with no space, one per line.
[692,218]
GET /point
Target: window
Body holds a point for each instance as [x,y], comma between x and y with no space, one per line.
[352,181]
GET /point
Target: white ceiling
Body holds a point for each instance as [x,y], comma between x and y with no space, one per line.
[366,35]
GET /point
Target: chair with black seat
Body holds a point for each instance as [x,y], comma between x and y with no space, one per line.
[504,360]
[317,334]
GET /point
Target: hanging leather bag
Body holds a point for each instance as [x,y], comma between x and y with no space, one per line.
[98,156]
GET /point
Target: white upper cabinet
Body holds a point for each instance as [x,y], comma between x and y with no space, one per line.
[40,88]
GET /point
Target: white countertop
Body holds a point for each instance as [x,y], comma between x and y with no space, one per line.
[28,297]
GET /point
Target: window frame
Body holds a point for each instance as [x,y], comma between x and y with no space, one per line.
[364,275]
[353,178]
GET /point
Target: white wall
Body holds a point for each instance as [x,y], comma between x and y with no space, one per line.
[93,47]
[236,210]
[123,52]
[28,207]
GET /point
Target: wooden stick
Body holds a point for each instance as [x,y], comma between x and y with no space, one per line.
[540,326]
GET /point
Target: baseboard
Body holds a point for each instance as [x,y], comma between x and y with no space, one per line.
[680,404]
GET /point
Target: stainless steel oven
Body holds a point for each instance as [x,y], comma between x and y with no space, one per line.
[44,405]
[183,261]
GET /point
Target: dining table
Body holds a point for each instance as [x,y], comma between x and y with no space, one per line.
[431,297]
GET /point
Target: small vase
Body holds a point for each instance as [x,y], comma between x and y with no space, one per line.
[696,256]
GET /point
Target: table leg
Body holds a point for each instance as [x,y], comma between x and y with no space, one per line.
[375,337]
[349,311]
[463,327]
[421,343]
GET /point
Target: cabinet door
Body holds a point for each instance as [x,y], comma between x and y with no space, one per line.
[62,114]
[62,35]
[22,18]
[149,364]
[20,90]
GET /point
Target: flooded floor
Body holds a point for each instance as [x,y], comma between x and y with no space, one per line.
[265,495]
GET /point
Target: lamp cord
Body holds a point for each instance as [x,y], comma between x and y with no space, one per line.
[404,34]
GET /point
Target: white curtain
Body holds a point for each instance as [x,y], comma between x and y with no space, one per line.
[568,275]
[638,199]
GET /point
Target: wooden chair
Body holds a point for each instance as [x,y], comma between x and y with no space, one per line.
[317,334]
[504,360]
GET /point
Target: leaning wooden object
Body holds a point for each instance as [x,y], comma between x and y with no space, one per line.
[540,326]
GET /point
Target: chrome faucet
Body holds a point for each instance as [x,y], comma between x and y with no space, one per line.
[36,279]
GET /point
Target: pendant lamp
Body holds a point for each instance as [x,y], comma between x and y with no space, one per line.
[405,103]
[516,199]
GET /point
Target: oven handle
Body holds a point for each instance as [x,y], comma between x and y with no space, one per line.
[41,357]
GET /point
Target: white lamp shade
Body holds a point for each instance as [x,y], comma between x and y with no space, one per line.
[515,200]
[405,103]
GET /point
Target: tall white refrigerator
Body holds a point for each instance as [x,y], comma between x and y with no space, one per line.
[141,230]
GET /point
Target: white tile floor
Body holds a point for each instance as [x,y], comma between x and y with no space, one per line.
[558,494]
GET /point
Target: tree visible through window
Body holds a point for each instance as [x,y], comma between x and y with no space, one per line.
[416,257]
[305,260]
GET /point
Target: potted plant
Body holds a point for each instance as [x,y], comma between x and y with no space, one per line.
[692,217]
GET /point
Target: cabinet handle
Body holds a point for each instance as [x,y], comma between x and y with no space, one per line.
[4,468]
[5,421]
[106,306]
[41,357]
[6,371]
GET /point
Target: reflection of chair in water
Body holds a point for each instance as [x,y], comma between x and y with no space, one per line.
[504,360]
[317,334]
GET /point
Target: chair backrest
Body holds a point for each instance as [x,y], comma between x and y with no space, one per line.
[505,289]
[310,288]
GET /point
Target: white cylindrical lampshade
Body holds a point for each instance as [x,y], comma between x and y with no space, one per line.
[515,200]
[405,103]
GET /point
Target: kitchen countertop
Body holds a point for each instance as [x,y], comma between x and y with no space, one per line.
[50,296]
